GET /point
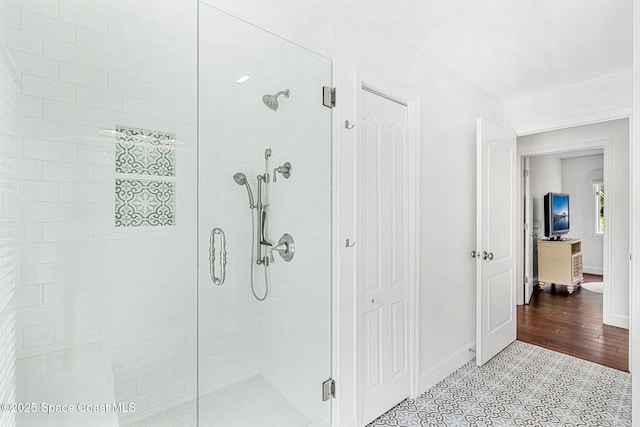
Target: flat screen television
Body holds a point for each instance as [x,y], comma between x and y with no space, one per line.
[556,214]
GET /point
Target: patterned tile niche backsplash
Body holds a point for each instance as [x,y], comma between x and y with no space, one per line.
[145,178]
[145,152]
[144,203]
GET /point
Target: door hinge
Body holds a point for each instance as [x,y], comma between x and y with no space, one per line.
[526,279]
[526,172]
[328,389]
[329,96]
[526,226]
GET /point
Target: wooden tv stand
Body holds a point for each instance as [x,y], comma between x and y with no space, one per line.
[560,262]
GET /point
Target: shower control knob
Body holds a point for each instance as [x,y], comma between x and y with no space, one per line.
[285,170]
[285,247]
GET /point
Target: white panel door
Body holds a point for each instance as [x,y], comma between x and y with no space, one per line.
[528,234]
[496,228]
[383,261]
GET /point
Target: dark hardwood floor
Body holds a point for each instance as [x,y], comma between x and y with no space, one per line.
[572,324]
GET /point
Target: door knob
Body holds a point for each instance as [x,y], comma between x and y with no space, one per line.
[487,255]
[475,254]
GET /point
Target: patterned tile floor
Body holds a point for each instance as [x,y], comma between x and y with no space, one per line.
[524,385]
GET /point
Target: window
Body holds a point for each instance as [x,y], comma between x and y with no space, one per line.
[598,190]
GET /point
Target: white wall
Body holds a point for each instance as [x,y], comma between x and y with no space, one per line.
[578,183]
[603,98]
[102,313]
[617,225]
[8,89]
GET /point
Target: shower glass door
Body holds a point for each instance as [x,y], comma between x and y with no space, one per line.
[264,191]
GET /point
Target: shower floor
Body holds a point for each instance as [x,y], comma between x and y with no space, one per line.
[248,403]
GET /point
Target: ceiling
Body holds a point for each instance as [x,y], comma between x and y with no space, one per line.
[509,48]
[512,48]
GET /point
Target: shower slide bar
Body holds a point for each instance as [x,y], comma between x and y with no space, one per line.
[215,278]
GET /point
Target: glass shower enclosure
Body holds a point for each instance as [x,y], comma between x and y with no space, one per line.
[172,218]
[265,200]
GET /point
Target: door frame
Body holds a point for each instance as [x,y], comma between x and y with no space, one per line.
[526,202]
[607,164]
[393,90]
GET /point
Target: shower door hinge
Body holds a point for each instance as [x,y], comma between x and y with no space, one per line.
[329,96]
[328,389]
[526,172]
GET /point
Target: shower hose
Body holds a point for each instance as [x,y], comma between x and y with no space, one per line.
[253,264]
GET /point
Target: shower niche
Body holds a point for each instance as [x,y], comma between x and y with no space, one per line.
[265,181]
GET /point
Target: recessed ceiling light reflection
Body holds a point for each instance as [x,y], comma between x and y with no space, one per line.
[243,79]
[109,132]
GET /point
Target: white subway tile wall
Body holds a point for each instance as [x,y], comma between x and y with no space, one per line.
[97,307]
[8,106]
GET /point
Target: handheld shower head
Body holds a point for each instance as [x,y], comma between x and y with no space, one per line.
[241,179]
[271,101]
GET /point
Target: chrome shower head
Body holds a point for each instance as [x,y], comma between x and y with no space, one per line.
[271,101]
[241,179]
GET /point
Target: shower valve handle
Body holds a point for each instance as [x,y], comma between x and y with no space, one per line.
[285,247]
[285,170]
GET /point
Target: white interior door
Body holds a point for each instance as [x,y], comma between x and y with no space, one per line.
[496,228]
[528,234]
[383,256]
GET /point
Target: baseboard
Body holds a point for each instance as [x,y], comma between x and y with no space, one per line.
[446,367]
[349,422]
[592,270]
[619,321]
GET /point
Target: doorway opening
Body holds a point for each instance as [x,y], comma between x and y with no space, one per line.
[574,295]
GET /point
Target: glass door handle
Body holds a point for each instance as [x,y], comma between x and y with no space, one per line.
[218,234]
